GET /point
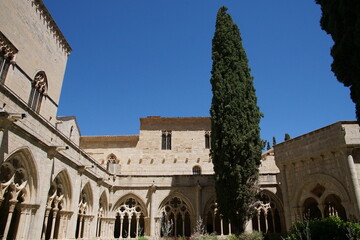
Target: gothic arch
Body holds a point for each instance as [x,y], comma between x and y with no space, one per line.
[269,213]
[26,160]
[102,213]
[18,191]
[104,203]
[331,186]
[130,217]
[64,181]
[85,209]
[176,210]
[178,195]
[58,207]
[112,158]
[127,196]
[213,219]
[86,196]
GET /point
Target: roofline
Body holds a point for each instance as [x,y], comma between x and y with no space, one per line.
[44,12]
[318,130]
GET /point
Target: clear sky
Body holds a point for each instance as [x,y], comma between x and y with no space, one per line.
[139,58]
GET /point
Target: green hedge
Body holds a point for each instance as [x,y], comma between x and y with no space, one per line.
[332,228]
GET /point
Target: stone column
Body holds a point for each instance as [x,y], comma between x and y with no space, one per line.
[221,226]
[47,212]
[129,226]
[355,183]
[152,191]
[198,202]
[121,225]
[285,190]
[12,204]
[55,210]
[229,227]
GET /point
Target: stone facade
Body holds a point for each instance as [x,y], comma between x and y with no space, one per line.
[57,184]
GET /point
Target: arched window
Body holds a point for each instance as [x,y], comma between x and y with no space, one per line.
[7,55]
[311,209]
[57,206]
[267,217]
[215,222]
[333,207]
[130,222]
[38,90]
[175,219]
[196,170]
[4,65]
[13,180]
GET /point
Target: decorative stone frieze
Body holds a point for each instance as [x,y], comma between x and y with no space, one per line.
[7,47]
[51,25]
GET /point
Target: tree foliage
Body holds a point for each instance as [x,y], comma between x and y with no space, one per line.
[268,146]
[324,229]
[341,19]
[235,117]
[274,141]
[287,137]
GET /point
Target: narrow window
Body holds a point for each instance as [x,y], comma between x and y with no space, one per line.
[196,170]
[207,140]
[166,140]
[4,65]
[38,90]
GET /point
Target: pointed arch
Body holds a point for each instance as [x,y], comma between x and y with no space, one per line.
[24,161]
[127,196]
[102,214]
[104,203]
[63,181]
[38,91]
[87,197]
[18,191]
[182,197]
[112,158]
[130,217]
[176,210]
[269,214]
[327,185]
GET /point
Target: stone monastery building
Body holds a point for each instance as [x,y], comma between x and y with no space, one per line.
[57,184]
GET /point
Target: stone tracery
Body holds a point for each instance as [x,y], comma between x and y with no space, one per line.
[130,219]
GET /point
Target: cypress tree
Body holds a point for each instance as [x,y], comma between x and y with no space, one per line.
[341,19]
[235,117]
[268,146]
[274,141]
[287,137]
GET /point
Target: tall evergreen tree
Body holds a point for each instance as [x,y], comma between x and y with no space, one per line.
[287,137]
[235,117]
[268,146]
[274,141]
[341,19]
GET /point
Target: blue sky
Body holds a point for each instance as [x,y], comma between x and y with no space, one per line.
[138,58]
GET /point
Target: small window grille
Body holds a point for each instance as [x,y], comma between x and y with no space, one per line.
[196,170]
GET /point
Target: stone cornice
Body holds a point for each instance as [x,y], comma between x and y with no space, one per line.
[45,14]
[6,46]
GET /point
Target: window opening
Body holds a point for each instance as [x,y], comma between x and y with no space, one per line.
[166,140]
[207,140]
[39,87]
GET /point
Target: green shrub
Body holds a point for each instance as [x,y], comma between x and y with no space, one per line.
[142,238]
[232,237]
[251,236]
[198,236]
[324,229]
